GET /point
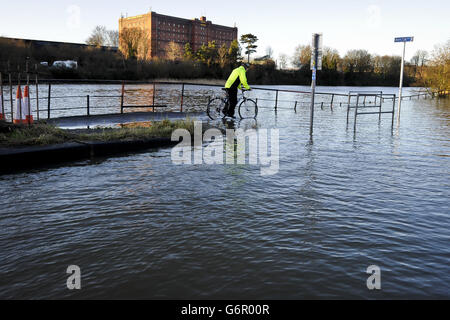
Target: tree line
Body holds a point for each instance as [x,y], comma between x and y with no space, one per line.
[356,67]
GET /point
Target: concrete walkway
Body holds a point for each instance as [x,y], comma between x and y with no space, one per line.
[111,120]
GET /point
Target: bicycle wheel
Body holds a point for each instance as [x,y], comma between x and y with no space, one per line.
[215,108]
[248,109]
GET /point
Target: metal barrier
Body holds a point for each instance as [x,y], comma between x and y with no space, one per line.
[88,106]
[378,100]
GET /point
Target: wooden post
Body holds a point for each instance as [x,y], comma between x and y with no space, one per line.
[332,99]
[87,105]
[37,92]
[295,107]
[49,99]
[321,105]
[182,97]
[122,97]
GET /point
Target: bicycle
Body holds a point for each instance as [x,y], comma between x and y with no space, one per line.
[247,107]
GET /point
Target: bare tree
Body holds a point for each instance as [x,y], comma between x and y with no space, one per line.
[112,38]
[98,36]
[283,61]
[101,36]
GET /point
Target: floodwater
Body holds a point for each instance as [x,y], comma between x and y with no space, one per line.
[140,226]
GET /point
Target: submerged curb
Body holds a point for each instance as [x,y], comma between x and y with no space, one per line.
[13,159]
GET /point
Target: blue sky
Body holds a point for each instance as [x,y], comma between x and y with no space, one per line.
[370,25]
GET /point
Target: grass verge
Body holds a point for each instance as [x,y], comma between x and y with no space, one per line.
[46,134]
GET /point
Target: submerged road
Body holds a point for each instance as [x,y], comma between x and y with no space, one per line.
[120,118]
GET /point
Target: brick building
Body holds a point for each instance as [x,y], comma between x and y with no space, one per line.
[162,30]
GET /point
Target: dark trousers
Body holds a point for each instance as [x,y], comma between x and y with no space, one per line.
[232,98]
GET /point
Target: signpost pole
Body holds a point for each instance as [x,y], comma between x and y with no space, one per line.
[316,64]
[313,92]
[404,40]
[401,84]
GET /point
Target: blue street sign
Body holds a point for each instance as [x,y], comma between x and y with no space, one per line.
[404,39]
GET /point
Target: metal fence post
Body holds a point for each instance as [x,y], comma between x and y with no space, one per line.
[11,95]
[122,96]
[49,99]
[29,98]
[154,95]
[393,110]
[356,113]
[276,101]
[37,91]
[348,105]
[1,95]
[182,97]
[87,105]
[379,116]
[20,104]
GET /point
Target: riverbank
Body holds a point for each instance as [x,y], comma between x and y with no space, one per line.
[44,134]
[24,147]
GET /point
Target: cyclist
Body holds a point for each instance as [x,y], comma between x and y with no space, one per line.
[237,79]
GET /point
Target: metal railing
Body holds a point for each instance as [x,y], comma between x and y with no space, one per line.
[378,100]
[88,106]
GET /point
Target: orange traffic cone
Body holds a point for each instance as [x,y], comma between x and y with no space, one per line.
[18,117]
[26,106]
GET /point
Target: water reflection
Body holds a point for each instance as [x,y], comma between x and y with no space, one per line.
[142,227]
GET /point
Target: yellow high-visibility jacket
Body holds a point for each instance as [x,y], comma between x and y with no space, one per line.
[240,75]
